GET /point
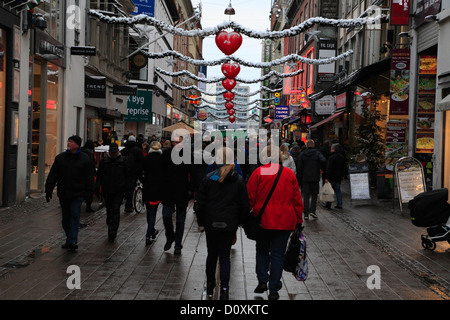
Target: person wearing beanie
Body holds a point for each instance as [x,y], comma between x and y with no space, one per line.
[73,175]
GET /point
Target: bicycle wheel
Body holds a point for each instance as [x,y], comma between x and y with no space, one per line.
[138,203]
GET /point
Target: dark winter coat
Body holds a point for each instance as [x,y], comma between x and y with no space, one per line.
[134,154]
[152,176]
[73,175]
[176,180]
[114,175]
[335,167]
[222,206]
[309,164]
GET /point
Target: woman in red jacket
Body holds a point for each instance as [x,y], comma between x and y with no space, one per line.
[281,216]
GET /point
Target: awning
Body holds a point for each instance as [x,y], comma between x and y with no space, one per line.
[330,118]
[444,104]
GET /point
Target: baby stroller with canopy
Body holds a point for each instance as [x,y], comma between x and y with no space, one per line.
[432,211]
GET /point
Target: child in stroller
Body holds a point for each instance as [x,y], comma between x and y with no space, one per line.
[431,210]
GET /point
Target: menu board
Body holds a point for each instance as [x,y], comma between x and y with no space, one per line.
[411,184]
[359,186]
[426,98]
[399,82]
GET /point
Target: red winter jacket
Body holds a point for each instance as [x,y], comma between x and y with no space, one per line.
[285,207]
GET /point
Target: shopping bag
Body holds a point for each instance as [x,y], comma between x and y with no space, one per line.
[301,270]
[327,193]
[292,252]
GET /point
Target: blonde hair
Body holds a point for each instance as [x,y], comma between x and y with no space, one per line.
[284,149]
[167,144]
[225,156]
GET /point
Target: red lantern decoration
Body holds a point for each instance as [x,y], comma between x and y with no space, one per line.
[230,112]
[232,119]
[229,105]
[228,96]
[229,84]
[231,70]
[228,42]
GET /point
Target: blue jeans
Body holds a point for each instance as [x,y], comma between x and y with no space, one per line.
[71,211]
[151,219]
[176,235]
[270,249]
[337,189]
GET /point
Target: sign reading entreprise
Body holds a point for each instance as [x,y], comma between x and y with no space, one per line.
[139,107]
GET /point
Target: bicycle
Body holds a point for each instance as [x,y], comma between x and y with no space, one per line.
[138,202]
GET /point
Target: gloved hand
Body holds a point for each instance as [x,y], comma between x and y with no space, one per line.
[48,196]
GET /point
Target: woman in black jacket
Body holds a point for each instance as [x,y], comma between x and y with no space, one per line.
[221,205]
[152,177]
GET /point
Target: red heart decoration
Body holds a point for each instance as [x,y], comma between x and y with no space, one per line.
[228,96]
[229,84]
[229,105]
[231,70]
[230,112]
[228,42]
[232,119]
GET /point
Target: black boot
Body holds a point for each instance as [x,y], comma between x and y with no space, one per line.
[210,288]
[224,294]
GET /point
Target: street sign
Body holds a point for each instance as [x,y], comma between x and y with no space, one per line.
[83,51]
[125,90]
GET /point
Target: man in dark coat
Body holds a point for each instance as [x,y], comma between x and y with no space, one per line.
[73,174]
[113,180]
[177,193]
[335,173]
[310,162]
[134,153]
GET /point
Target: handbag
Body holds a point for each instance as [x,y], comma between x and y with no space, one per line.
[327,193]
[253,223]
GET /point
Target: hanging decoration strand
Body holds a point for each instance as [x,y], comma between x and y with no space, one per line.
[263,78]
[235,103]
[291,32]
[261,65]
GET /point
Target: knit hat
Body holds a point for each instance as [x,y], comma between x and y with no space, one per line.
[132,138]
[75,139]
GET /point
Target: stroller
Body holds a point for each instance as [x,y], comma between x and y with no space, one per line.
[432,211]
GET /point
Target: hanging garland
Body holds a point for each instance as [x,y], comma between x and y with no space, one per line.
[237,109]
[236,103]
[291,32]
[237,118]
[269,75]
[261,65]
[219,93]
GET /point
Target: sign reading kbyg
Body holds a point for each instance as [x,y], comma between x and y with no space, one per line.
[140,107]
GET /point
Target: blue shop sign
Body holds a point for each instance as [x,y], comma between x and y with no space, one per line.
[146,7]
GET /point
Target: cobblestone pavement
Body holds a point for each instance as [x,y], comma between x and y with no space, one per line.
[342,245]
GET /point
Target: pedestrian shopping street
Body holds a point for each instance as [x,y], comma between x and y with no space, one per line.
[341,246]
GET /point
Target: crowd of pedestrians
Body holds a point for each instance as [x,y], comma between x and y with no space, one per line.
[282,189]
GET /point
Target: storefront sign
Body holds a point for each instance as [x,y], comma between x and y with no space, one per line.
[325,105]
[426,8]
[281,112]
[399,14]
[396,139]
[95,87]
[139,107]
[327,49]
[359,185]
[341,101]
[146,7]
[83,51]
[399,85]
[125,90]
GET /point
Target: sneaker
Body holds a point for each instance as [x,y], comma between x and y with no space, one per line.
[306,217]
[274,296]
[148,241]
[210,288]
[261,288]
[313,215]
